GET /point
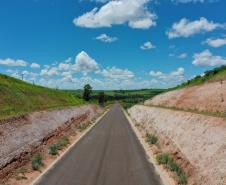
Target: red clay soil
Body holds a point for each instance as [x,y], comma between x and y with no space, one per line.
[209,97]
[21,137]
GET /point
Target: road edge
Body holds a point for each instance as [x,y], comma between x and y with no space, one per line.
[164,176]
[36,180]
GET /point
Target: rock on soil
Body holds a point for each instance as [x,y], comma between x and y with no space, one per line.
[201,139]
[209,97]
[20,135]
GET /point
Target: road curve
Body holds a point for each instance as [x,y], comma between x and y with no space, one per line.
[110,154]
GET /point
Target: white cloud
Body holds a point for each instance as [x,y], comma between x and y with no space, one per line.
[172,78]
[35,65]
[147,45]
[206,58]
[85,64]
[182,56]
[49,72]
[192,1]
[64,66]
[187,28]
[106,38]
[12,62]
[216,43]
[118,12]
[116,73]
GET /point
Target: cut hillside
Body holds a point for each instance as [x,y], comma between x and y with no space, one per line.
[197,142]
[19,97]
[205,94]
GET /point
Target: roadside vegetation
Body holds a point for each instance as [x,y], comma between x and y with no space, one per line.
[169,163]
[151,139]
[54,148]
[36,161]
[19,97]
[216,74]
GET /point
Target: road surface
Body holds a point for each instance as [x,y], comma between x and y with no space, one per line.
[110,154]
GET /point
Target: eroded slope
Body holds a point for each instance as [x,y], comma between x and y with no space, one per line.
[209,97]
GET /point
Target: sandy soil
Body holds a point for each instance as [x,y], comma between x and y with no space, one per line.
[20,137]
[200,139]
[209,97]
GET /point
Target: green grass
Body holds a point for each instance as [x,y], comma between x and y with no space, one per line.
[53,149]
[169,163]
[216,74]
[19,97]
[151,139]
[36,162]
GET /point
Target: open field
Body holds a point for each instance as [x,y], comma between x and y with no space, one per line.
[127,98]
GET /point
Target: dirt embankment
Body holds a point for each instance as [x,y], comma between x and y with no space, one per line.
[19,137]
[209,97]
[198,142]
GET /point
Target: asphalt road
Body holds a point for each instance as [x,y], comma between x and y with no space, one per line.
[110,154]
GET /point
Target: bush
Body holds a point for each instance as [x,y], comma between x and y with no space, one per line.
[162,158]
[36,162]
[62,143]
[53,149]
[170,164]
[151,139]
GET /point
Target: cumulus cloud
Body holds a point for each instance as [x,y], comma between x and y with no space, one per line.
[206,58]
[116,73]
[12,62]
[173,77]
[49,72]
[106,38]
[187,28]
[147,45]
[85,64]
[192,1]
[35,65]
[216,43]
[117,12]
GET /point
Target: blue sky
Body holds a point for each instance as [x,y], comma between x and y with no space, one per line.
[111,44]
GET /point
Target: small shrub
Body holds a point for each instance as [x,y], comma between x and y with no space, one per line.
[151,139]
[53,149]
[36,162]
[170,164]
[62,143]
[162,158]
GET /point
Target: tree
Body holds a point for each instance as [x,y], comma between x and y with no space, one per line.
[101,98]
[87,92]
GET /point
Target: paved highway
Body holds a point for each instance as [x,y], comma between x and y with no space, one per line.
[110,154]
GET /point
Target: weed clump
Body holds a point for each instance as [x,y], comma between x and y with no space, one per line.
[36,162]
[169,163]
[151,139]
[62,143]
[53,149]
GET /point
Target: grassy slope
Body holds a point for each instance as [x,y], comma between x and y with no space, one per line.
[216,74]
[18,97]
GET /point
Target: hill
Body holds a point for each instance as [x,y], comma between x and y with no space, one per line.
[214,75]
[19,97]
[204,94]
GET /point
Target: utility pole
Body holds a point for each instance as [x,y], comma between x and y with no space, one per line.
[22,76]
